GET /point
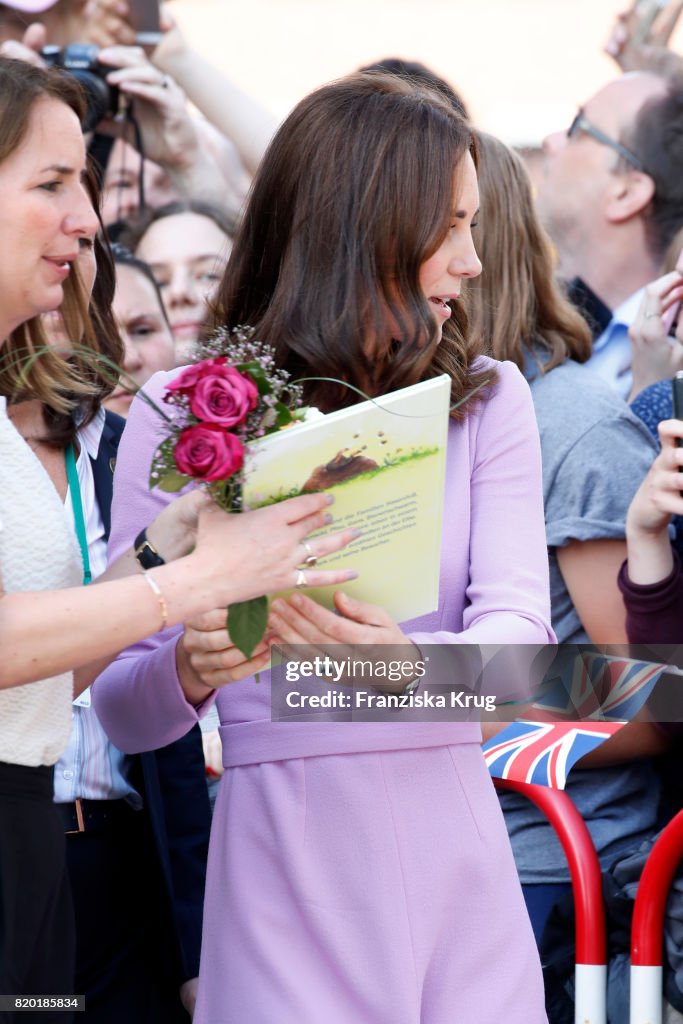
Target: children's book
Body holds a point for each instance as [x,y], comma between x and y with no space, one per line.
[384,460]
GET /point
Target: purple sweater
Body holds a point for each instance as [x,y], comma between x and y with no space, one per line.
[654,611]
[493,590]
[654,615]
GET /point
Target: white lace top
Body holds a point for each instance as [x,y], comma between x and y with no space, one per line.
[37,552]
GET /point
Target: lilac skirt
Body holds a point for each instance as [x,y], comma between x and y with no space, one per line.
[373,888]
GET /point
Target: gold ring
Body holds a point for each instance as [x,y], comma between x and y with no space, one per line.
[311,558]
[300,579]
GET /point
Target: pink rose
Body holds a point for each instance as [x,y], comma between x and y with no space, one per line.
[218,393]
[187,378]
[208,452]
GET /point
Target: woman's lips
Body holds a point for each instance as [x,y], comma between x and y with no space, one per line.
[441,305]
[187,328]
[62,268]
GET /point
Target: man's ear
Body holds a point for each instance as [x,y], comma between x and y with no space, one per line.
[631,192]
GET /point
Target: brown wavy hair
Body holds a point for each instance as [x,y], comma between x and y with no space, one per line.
[354,193]
[29,369]
[130,233]
[517,305]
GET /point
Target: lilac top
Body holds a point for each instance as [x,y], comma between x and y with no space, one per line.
[493,590]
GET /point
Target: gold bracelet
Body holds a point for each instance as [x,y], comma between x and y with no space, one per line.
[162,600]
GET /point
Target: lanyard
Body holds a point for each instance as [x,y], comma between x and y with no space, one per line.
[77,504]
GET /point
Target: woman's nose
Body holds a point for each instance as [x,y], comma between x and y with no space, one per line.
[179,290]
[81,220]
[469,264]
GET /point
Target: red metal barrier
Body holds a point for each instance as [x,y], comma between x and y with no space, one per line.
[584,868]
[647,929]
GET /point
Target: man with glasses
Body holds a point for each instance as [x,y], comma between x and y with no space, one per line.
[611,196]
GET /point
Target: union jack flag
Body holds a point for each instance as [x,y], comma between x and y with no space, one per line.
[625,685]
[602,691]
[543,752]
[597,686]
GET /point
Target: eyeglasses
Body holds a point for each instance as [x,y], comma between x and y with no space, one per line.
[580,124]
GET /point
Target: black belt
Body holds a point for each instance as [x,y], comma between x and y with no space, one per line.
[95,815]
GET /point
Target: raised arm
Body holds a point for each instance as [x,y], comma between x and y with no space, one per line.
[234,112]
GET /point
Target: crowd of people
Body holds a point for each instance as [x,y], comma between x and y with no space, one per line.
[345,872]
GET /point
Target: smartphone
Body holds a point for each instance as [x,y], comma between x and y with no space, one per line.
[144,17]
[677,401]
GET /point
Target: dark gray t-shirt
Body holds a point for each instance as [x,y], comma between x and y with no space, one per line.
[595,454]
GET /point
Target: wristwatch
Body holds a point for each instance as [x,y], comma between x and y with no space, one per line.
[146,554]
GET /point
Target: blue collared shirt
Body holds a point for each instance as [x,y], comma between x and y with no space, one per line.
[611,358]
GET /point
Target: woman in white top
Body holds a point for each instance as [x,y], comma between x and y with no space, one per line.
[50,624]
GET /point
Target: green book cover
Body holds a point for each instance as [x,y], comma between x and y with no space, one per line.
[384,461]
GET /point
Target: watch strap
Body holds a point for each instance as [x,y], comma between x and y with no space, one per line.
[146,554]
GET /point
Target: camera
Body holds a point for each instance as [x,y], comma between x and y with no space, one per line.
[80,60]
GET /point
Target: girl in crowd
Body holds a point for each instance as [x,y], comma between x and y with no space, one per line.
[519,309]
[356,869]
[49,623]
[187,245]
[143,326]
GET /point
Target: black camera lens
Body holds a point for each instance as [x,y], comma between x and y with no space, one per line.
[80,60]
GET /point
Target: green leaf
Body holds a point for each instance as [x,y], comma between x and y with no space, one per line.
[171,481]
[246,624]
[284,415]
[258,375]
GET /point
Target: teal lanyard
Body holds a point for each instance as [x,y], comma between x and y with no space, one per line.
[77,505]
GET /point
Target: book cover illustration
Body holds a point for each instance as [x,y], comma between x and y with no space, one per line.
[384,462]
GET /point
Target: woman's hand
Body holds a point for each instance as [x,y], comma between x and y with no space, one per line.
[254,553]
[28,50]
[302,621]
[657,499]
[174,531]
[107,23]
[659,496]
[656,355]
[206,658]
[168,133]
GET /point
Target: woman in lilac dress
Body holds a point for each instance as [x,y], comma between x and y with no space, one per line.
[359,873]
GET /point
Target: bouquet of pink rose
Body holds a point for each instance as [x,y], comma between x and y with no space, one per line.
[232,395]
